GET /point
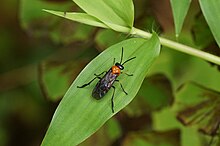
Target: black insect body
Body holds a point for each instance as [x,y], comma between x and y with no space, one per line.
[106,82]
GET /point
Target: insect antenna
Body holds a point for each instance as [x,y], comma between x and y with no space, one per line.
[122,51]
[128,60]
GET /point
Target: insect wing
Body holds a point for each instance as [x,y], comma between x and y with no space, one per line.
[104,85]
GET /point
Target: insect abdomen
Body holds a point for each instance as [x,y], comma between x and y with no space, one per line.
[104,85]
[99,91]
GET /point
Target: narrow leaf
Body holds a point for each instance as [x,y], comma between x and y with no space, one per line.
[179,9]
[79,17]
[211,11]
[79,115]
[117,15]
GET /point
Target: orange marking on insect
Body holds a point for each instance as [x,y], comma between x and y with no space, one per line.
[116,70]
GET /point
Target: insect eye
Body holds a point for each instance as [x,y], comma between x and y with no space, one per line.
[121,67]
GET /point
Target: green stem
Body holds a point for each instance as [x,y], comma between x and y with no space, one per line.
[180,47]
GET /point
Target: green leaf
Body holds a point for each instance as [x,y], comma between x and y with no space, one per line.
[108,133]
[79,17]
[179,9]
[56,77]
[117,15]
[54,89]
[57,73]
[211,11]
[79,115]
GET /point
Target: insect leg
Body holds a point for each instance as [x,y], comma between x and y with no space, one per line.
[122,87]
[88,83]
[112,100]
[114,61]
[100,74]
[127,74]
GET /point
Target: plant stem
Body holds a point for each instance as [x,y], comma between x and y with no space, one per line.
[180,47]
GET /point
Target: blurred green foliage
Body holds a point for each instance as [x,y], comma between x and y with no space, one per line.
[40,56]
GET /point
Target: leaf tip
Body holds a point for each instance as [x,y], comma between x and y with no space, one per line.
[177,35]
[45,10]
